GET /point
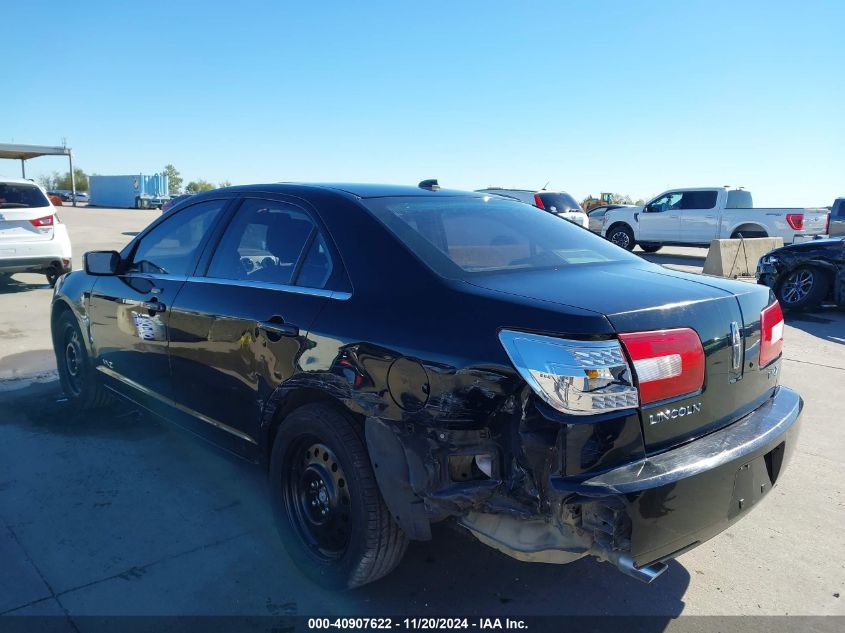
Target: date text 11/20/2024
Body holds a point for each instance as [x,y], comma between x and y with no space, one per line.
[431,624]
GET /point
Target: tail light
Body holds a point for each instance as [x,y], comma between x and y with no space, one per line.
[771,334]
[667,363]
[47,220]
[538,201]
[795,220]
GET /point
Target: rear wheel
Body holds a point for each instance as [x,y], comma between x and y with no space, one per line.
[330,513]
[650,247]
[803,289]
[747,234]
[76,371]
[53,276]
[622,235]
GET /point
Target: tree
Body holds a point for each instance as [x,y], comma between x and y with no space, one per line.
[64,181]
[48,181]
[174,179]
[198,186]
[225,183]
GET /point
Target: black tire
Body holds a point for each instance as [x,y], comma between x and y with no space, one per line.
[650,247]
[803,288]
[330,514]
[77,375]
[53,276]
[622,236]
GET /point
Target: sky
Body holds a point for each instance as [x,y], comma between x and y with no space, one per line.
[618,96]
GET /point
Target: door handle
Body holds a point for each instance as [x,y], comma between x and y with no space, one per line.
[279,328]
[674,217]
[154,305]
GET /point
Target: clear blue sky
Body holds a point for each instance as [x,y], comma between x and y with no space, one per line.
[629,97]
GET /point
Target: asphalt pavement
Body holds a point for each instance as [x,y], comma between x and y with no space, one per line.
[121,513]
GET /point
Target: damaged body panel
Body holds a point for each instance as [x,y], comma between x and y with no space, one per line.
[489,356]
[806,274]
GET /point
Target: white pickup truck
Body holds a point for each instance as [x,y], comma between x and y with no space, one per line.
[694,217]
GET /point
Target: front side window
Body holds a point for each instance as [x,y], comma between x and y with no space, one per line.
[21,196]
[264,242]
[668,202]
[173,246]
[459,236]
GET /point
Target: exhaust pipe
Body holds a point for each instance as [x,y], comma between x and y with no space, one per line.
[625,564]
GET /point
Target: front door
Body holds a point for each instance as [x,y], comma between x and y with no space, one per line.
[660,220]
[130,312]
[237,331]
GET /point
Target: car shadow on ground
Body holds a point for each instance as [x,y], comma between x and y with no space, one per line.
[10,285]
[826,323]
[673,259]
[453,574]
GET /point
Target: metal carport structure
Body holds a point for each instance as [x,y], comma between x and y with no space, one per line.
[24,153]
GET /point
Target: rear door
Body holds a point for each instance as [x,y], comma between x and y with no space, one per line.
[130,312]
[699,216]
[837,218]
[26,215]
[239,326]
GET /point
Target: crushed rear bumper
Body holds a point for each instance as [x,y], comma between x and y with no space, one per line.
[665,504]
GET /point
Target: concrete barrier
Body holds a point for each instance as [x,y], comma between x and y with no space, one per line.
[738,258]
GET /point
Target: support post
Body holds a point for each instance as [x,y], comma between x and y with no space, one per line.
[72,177]
[23,168]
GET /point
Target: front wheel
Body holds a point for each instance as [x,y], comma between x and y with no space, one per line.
[76,371]
[330,513]
[651,247]
[803,289]
[622,236]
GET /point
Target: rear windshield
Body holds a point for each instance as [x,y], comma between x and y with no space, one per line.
[459,236]
[739,200]
[560,201]
[20,196]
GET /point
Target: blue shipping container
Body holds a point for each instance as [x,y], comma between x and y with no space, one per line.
[128,192]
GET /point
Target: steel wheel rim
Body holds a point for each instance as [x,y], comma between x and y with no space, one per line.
[797,286]
[317,498]
[73,361]
[620,238]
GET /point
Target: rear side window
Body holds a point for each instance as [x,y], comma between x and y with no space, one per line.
[698,200]
[172,246]
[265,242]
[739,200]
[20,196]
[459,236]
[560,201]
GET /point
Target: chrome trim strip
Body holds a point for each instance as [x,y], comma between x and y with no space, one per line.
[175,405]
[266,285]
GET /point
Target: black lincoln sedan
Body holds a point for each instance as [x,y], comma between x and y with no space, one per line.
[397,356]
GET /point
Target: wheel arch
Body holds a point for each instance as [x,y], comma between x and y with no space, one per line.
[293,394]
[619,223]
[60,307]
[748,226]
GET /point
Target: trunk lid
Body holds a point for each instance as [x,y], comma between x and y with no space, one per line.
[815,221]
[642,297]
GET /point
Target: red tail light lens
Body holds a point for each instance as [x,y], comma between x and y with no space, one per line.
[667,363]
[771,333]
[795,220]
[47,220]
[538,201]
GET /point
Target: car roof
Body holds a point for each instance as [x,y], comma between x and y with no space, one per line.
[19,181]
[359,190]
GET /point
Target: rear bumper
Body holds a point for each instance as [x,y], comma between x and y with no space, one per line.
[654,509]
[37,255]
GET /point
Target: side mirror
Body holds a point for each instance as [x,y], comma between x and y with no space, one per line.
[102,263]
[649,209]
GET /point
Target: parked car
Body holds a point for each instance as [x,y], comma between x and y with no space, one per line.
[32,238]
[174,200]
[81,196]
[806,274]
[837,218]
[695,217]
[596,215]
[396,356]
[558,203]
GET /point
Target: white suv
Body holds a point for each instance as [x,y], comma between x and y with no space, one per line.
[32,238]
[558,202]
